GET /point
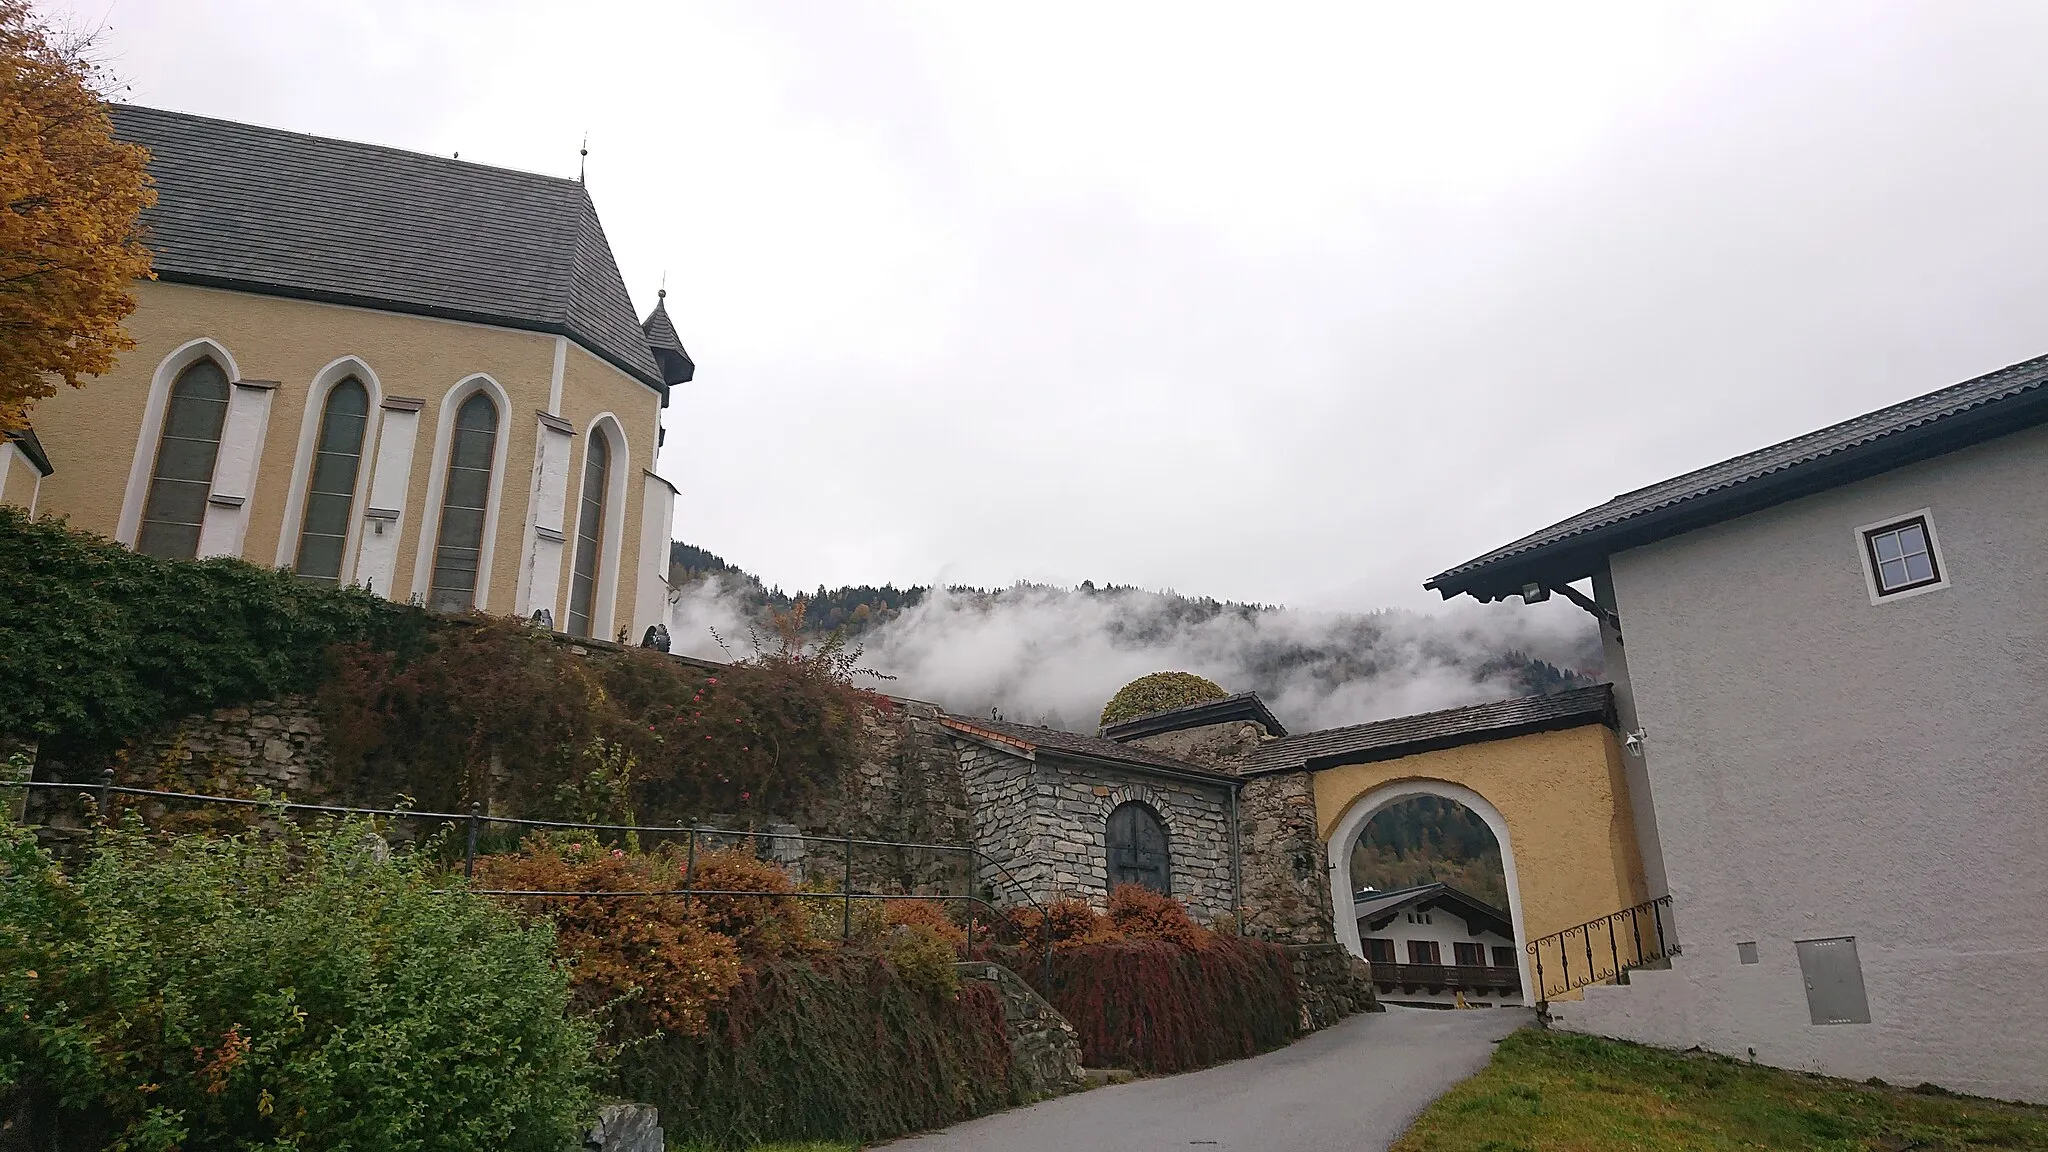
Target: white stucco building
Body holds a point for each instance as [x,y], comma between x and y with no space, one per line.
[1432,946]
[1833,657]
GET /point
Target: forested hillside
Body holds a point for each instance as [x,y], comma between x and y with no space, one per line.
[1037,651]
[1427,839]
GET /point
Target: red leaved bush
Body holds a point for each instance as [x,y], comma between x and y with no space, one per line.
[929,914]
[647,959]
[1073,923]
[1138,913]
[1160,1006]
[1150,989]
[771,924]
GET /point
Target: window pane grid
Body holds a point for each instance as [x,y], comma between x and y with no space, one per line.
[187,450]
[330,496]
[458,550]
[1902,556]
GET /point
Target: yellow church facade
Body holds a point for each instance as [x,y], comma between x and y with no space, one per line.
[375,368]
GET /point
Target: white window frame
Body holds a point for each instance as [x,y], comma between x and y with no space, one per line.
[1870,581]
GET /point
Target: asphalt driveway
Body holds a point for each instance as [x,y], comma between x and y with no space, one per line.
[1354,1087]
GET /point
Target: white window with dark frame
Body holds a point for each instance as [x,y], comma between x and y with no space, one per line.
[1901,557]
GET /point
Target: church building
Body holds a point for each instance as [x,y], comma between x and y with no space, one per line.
[375,367]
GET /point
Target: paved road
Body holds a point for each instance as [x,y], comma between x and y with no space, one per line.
[1351,1088]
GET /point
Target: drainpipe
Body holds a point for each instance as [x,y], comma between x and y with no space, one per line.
[1236,867]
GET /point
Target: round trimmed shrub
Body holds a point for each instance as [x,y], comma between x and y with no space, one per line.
[1157,693]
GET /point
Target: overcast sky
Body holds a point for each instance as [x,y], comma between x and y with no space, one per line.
[1293,304]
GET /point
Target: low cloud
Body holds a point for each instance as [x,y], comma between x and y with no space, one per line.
[1054,656]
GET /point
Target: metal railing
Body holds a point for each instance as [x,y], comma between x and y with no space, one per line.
[1603,949]
[474,821]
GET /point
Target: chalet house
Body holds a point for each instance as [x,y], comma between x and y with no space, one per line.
[380,368]
[1432,946]
[1829,658]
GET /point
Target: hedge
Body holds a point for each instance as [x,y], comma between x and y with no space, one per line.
[831,1047]
[1161,1006]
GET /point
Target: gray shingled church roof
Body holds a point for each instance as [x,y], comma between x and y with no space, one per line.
[1430,731]
[1955,417]
[263,210]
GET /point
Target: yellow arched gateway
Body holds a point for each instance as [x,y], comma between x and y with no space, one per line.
[1546,774]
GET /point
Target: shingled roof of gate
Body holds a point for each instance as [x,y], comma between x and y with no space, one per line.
[1429,731]
[1057,741]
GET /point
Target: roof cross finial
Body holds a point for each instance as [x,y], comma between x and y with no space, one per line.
[582,156]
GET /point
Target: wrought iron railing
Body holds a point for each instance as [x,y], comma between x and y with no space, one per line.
[1602,950]
[102,796]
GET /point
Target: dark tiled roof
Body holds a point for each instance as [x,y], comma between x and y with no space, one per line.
[660,333]
[1241,706]
[1955,417]
[1428,731]
[263,210]
[1059,742]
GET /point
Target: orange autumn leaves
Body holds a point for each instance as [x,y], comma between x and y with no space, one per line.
[663,963]
[70,195]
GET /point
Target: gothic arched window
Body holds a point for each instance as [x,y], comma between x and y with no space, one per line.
[331,493]
[185,454]
[1137,848]
[589,535]
[465,499]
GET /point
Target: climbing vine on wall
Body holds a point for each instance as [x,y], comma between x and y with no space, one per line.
[634,735]
[100,645]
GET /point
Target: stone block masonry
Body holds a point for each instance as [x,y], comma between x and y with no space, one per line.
[1046,820]
[1045,1051]
[1286,881]
[1073,803]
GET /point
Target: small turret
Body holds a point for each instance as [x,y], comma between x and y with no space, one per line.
[675,363]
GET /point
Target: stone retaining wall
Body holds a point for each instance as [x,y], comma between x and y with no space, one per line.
[1045,1051]
[1332,984]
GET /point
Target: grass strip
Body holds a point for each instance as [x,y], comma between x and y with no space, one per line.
[1560,1092]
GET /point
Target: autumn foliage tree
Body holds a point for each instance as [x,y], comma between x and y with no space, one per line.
[70,196]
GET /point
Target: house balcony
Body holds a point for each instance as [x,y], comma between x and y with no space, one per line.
[1447,978]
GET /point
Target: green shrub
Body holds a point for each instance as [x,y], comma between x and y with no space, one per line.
[832,1047]
[213,994]
[1157,693]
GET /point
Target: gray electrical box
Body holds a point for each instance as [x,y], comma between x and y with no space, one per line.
[1834,981]
[1746,952]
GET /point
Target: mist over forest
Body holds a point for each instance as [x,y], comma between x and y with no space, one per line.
[1043,654]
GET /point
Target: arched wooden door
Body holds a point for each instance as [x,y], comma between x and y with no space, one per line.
[1137,848]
